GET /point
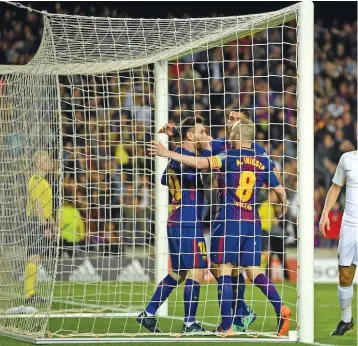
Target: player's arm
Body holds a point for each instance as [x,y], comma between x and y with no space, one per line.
[275,170]
[273,182]
[159,149]
[282,197]
[172,132]
[260,149]
[331,199]
[338,180]
[40,211]
[277,173]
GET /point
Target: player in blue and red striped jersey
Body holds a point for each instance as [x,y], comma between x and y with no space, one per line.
[236,233]
[185,236]
[245,316]
[219,145]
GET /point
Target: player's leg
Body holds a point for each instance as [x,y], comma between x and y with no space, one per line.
[347,261]
[193,256]
[162,292]
[35,246]
[243,316]
[250,258]
[224,255]
[193,281]
[265,252]
[277,247]
[30,277]
[242,313]
[166,286]
[345,297]
[225,297]
[283,313]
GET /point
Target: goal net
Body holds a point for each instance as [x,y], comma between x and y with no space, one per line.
[83,212]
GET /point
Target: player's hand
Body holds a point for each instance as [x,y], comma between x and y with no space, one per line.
[323,224]
[207,143]
[281,214]
[168,129]
[157,149]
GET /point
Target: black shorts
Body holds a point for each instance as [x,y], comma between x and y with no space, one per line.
[265,242]
[37,242]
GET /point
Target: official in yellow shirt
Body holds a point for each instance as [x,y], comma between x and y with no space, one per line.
[39,200]
[72,226]
[40,220]
[268,217]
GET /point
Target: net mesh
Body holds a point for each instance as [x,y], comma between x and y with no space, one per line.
[29,126]
[88,99]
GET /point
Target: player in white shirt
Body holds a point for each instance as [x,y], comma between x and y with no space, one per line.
[346,173]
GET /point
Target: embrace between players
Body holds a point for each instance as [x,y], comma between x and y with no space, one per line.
[242,167]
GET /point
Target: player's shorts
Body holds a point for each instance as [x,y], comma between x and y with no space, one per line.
[348,245]
[236,242]
[37,242]
[187,248]
[265,242]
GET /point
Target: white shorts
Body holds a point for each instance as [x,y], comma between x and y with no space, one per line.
[348,245]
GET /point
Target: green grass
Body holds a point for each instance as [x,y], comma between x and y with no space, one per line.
[116,295]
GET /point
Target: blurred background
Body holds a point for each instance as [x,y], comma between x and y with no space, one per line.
[105,169]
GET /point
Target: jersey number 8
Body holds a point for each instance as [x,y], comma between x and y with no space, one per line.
[246,185]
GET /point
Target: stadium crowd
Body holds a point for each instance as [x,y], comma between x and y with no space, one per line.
[107,174]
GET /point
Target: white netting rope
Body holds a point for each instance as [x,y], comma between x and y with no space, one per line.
[87,45]
[106,95]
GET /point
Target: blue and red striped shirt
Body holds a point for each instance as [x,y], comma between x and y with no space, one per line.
[241,173]
[186,190]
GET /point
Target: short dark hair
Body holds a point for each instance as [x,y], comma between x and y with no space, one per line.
[189,123]
[241,110]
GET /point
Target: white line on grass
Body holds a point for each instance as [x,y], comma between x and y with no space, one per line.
[104,307]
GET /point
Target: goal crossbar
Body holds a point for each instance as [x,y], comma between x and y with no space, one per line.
[210,34]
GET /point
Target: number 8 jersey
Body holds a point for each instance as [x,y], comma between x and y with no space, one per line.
[241,176]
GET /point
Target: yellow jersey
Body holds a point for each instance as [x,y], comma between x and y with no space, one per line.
[72,225]
[39,190]
[267,215]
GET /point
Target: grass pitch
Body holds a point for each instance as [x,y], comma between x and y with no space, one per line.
[114,297]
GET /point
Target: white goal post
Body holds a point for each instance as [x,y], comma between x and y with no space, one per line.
[95,94]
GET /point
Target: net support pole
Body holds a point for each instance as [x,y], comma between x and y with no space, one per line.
[306,172]
[161,191]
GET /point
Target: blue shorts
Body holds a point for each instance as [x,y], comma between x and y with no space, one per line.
[236,242]
[187,248]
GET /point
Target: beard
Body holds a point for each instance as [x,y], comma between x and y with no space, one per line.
[199,146]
